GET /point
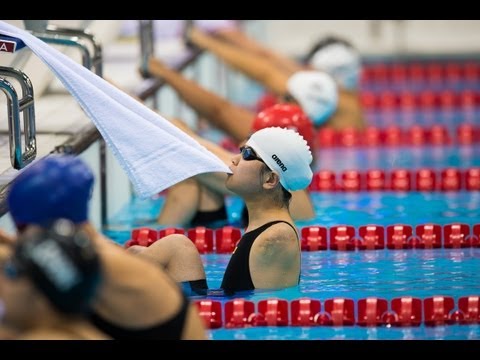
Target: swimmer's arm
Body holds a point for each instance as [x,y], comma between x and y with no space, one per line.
[301,206]
[6,238]
[275,258]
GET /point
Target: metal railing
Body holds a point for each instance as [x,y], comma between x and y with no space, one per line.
[147,44]
[78,39]
[81,141]
[19,158]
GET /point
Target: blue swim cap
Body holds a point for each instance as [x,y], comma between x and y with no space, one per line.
[62,263]
[58,186]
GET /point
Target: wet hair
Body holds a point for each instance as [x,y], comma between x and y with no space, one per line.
[324,42]
[61,262]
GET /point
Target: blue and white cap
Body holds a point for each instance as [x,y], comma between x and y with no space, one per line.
[316,92]
[342,62]
[285,152]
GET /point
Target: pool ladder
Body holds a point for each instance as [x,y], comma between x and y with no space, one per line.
[147,50]
[19,158]
[92,60]
[76,38]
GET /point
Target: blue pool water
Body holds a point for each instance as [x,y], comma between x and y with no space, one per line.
[388,158]
[383,273]
[355,275]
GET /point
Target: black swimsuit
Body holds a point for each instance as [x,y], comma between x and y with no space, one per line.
[170,330]
[210,219]
[237,276]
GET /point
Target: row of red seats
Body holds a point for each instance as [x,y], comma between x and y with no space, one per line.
[423,179]
[398,236]
[221,241]
[427,99]
[466,134]
[418,72]
[340,237]
[371,311]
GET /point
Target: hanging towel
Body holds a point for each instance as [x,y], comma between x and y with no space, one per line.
[154,153]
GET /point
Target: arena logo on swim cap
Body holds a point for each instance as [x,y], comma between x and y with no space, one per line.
[50,258]
[279,162]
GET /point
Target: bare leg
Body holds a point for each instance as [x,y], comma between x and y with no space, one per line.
[181,204]
[252,65]
[210,200]
[176,254]
[184,199]
[228,117]
[239,39]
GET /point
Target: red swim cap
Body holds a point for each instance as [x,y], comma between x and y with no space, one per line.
[267,100]
[288,116]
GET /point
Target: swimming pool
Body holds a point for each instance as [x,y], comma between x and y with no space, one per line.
[385,274]
[340,289]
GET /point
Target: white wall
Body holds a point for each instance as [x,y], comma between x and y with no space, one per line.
[372,37]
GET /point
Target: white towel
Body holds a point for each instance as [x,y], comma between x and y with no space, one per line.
[154,153]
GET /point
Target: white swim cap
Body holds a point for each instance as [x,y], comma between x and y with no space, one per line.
[287,153]
[342,62]
[316,92]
